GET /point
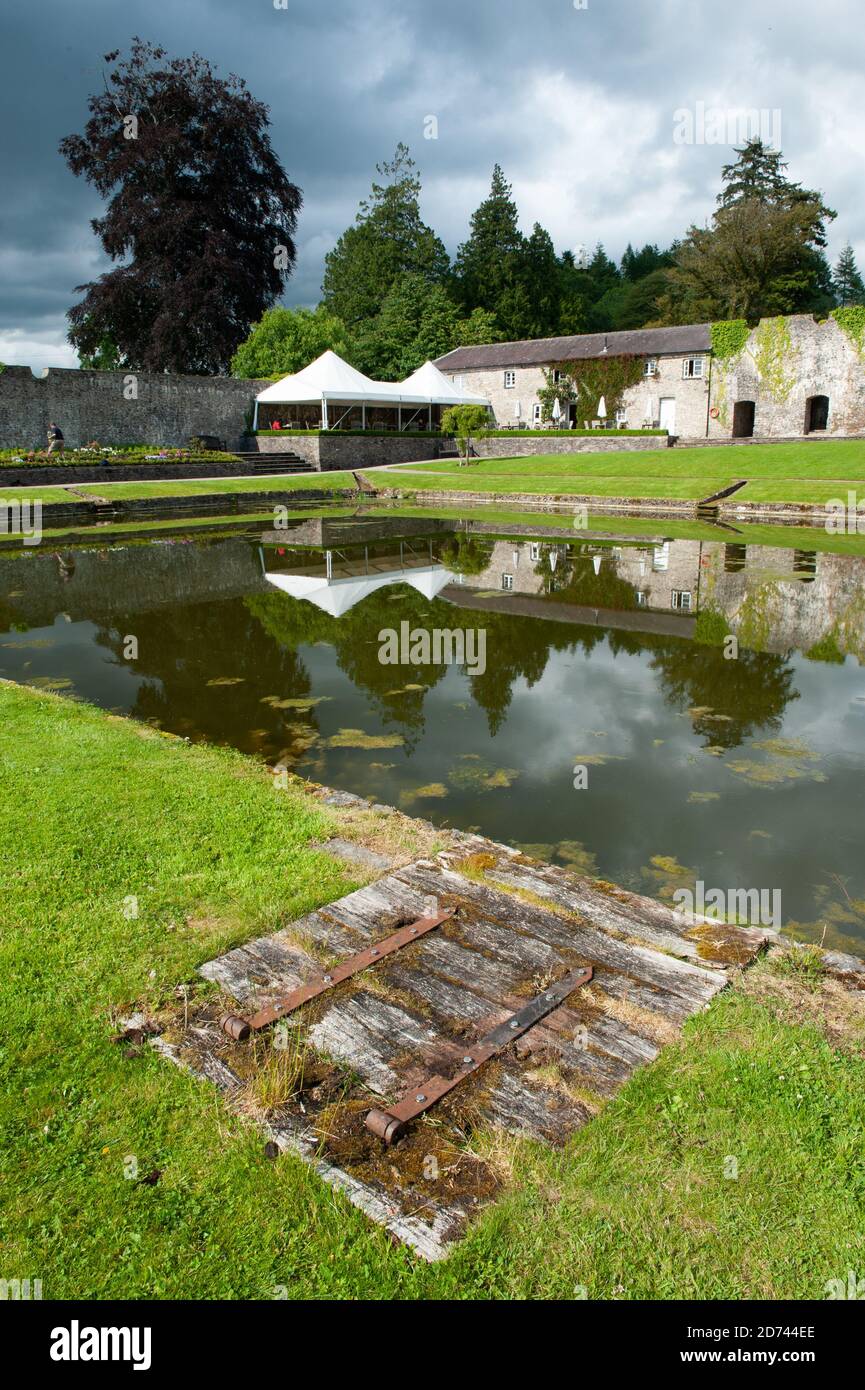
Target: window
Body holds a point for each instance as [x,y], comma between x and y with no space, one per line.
[534,552]
[557,376]
[536,413]
[510,380]
[651,367]
[681,598]
[642,597]
[507,581]
[661,556]
[692,367]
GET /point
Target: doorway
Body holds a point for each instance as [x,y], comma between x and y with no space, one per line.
[667,414]
[816,413]
[743,419]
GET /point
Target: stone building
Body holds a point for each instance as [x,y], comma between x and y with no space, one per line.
[791,377]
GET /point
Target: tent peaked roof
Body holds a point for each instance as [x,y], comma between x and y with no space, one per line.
[429,381]
[337,596]
[328,374]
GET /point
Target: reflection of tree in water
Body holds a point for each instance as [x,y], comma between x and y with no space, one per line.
[254,642]
[354,637]
[520,648]
[574,579]
[463,554]
[180,649]
[752,692]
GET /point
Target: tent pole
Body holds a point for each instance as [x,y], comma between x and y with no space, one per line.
[363,415]
[324,411]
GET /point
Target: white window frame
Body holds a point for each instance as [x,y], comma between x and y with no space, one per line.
[651,367]
[507,582]
[536,413]
[510,380]
[642,598]
[680,599]
[535,552]
[692,368]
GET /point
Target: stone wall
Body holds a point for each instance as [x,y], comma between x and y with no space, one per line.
[328,451]
[599,442]
[783,363]
[121,407]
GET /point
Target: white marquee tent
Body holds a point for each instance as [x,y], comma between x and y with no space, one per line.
[331,380]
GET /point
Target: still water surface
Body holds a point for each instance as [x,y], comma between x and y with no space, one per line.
[601,652]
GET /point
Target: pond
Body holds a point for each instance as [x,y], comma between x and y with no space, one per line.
[600,718]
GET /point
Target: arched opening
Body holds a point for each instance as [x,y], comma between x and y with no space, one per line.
[816,413]
[743,419]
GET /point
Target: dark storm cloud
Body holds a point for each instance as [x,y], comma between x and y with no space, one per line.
[576,104]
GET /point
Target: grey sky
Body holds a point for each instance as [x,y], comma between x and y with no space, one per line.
[576,104]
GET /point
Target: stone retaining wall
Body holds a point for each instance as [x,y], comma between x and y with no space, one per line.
[121,407]
[326,451]
[50,475]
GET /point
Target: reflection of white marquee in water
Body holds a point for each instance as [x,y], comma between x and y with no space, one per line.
[337,596]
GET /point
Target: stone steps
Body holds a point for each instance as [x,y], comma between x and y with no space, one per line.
[278,461]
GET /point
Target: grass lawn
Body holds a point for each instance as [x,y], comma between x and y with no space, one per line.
[798,472]
[187,487]
[96,808]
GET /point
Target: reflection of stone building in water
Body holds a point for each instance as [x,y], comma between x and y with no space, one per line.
[777,599]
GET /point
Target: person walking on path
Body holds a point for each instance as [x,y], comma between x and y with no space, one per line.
[55,439]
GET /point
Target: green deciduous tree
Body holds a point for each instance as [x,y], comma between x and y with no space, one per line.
[465,423]
[418,321]
[286,340]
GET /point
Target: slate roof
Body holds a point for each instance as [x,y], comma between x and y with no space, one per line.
[533,352]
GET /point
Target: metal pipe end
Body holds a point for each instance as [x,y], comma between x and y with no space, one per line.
[236,1028]
[385,1126]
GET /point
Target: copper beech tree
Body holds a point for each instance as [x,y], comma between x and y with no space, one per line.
[200,213]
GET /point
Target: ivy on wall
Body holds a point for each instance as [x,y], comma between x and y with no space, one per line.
[585,381]
[773,349]
[852,321]
[728,337]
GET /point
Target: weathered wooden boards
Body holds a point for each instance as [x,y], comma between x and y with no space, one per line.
[519,926]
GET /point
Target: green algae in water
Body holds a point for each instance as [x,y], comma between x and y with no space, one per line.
[356,738]
[432,791]
[698,798]
[301,702]
[788,760]
[482,778]
[54,683]
[666,874]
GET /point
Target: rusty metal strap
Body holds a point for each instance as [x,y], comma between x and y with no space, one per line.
[240,1028]
[390,1125]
